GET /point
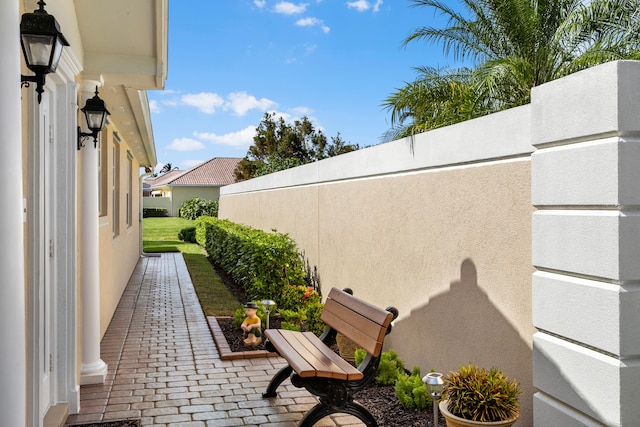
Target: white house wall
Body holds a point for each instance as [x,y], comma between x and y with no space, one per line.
[13,352]
[41,256]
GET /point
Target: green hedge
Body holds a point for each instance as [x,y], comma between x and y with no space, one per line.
[154,212]
[262,263]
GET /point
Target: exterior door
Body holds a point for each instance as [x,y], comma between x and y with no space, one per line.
[40,219]
[47,251]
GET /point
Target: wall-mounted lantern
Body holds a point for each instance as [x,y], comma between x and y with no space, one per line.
[42,44]
[95,112]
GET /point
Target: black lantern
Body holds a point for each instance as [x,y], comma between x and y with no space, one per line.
[42,44]
[95,112]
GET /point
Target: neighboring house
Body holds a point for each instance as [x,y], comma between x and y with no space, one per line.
[173,188]
[70,222]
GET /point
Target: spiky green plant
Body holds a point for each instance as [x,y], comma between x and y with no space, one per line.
[473,393]
[411,391]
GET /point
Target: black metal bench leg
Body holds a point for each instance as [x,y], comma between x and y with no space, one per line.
[321,410]
[277,379]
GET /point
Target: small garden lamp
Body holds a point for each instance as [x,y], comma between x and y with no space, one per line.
[267,306]
[434,383]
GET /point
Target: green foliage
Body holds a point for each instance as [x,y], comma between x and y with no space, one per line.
[154,212]
[266,265]
[313,322]
[238,317]
[196,207]
[188,235]
[514,46]
[290,326]
[278,145]
[480,395]
[389,369]
[262,263]
[293,296]
[411,391]
[276,163]
[294,317]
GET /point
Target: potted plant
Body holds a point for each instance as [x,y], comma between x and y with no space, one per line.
[474,396]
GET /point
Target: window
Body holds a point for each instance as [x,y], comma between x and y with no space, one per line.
[102,176]
[129,189]
[115,189]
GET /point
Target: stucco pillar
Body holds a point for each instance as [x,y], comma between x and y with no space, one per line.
[586,248]
[93,370]
[13,356]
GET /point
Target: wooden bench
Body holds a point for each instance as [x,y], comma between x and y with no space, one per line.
[314,366]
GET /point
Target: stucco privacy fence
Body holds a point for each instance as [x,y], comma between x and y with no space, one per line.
[512,240]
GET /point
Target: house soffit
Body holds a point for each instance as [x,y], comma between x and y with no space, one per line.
[125,45]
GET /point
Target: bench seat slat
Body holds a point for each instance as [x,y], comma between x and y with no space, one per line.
[310,357]
[296,361]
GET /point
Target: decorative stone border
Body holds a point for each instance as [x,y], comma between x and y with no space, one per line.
[225,350]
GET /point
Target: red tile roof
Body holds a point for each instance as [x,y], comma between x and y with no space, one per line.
[165,178]
[215,172]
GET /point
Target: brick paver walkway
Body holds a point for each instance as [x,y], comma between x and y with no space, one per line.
[164,367]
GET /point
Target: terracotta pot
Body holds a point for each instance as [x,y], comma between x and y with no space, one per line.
[454,421]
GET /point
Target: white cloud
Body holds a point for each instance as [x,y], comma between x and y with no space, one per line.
[313,22]
[241,102]
[302,111]
[260,3]
[240,139]
[364,5]
[186,144]
[238,102]
[288,8]
[154,107]
[204,101]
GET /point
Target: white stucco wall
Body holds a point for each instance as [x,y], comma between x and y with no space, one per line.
[439,227]
[586,247]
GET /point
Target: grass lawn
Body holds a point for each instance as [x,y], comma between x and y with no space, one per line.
[161,235]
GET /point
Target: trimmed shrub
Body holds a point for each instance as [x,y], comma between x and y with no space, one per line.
[188,235]
[154,212]
[266,265]
[196,207]
[262,263]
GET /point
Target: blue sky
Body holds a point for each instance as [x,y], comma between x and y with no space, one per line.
[230,61]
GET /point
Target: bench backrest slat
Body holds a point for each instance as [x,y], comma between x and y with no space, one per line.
[363,323]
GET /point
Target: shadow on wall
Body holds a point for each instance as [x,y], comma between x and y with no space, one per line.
[463,326]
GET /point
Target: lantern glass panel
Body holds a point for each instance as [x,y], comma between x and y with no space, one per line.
[95,119]
[38,49]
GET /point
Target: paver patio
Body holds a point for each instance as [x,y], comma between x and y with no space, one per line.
[164,367]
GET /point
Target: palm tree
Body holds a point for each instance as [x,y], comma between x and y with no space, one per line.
[514,46]
[167,168]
